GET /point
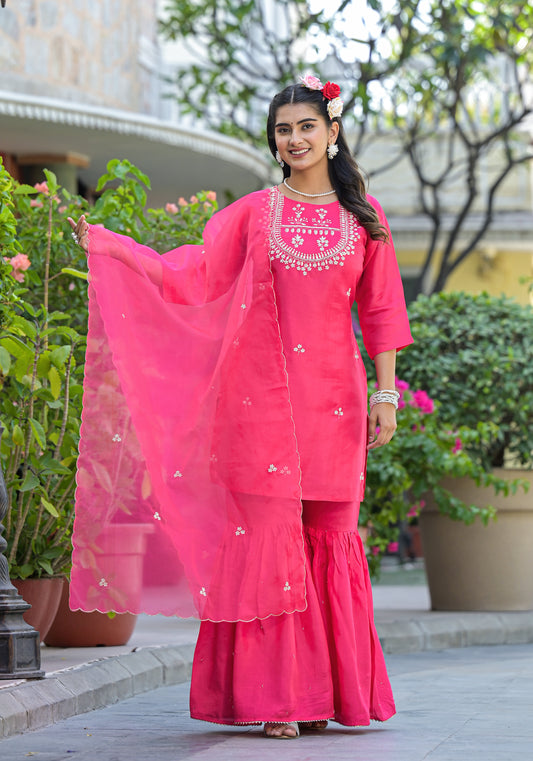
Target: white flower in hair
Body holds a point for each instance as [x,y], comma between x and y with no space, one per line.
[335,107]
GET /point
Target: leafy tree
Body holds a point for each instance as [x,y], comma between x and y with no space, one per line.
[448,72]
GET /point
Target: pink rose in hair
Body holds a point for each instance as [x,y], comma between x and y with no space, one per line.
[311,82]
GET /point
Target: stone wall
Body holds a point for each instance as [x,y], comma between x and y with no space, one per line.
[99,52]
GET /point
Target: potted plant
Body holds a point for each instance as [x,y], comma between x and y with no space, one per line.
[421,454]
[474,353]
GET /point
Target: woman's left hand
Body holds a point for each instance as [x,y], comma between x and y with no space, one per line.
[382,416]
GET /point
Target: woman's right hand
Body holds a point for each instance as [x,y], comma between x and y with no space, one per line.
[81,229]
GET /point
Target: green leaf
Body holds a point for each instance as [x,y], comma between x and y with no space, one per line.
[55,382]
[16,347]
[30,482]
[45,565]
[75,273]
[48,506]
[24,190]
[5,360]
[39,433]
[59,355]
[17,435]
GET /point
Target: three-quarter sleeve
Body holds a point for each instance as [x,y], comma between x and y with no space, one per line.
[379,295]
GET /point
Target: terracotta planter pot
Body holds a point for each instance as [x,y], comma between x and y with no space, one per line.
[73,628]
[477,567]
[43,595]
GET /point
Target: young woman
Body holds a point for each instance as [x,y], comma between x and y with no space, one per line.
[225,410]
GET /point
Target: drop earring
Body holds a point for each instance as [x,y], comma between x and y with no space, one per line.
[279,159]
[332,150]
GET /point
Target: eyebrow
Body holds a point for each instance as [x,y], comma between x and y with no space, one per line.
[286,124]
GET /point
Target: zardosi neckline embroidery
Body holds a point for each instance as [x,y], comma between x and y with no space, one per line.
[322,257]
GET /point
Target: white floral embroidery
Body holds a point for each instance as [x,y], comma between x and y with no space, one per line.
[236,342]
[272,468]
[243,306]
[321,212]
[178,474]
[157,516]
[239,531]
[349,292]
[297,240]
[339,412]
[203,592]
[356,356]
[299,349]
[213,458]
[247,402]
[326,253]
[123,316]
[103,583]
[362,476]
[116,437]
[285,471]
[298,210]
[286,587]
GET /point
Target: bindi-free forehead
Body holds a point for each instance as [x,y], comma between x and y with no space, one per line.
[296,113]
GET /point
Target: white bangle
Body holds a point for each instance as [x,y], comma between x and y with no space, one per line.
[385,395]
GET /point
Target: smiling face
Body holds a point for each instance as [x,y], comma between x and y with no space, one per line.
[302,136]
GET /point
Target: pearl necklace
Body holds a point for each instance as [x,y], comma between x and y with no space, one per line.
[307,195]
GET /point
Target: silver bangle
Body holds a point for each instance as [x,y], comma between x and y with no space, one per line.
[389,396]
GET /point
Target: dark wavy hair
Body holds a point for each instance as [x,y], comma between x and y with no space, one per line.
[346,177]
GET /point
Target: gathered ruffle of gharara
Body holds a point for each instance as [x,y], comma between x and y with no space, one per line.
[324,663]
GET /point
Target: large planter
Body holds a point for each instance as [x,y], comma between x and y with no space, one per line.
[43,595]
[477,567]
[74,628]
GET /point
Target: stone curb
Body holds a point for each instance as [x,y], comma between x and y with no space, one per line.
[440,631]
[39,703]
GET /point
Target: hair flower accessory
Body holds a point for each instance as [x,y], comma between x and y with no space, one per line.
[311,82]
[330,91]
[335,107]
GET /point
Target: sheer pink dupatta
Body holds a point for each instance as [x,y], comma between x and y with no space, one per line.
[188,499]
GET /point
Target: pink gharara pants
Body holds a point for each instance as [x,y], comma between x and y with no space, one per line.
[324,663]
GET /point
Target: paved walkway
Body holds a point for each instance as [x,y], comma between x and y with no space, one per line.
[469,704]
[160,653]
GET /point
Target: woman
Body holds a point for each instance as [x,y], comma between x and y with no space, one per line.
[238,407]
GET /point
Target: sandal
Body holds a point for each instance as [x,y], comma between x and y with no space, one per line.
[269,726]
[313,726]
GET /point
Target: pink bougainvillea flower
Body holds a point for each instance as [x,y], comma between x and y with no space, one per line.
[401,403]
[375,550]
[182,202]
[35,202]
[415,509]
[62,209]
[211,195]
[312,82]
[42,187]
[171,208]
[423,402]
[458,445]
[400,384]
[193,199]
[393,547]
